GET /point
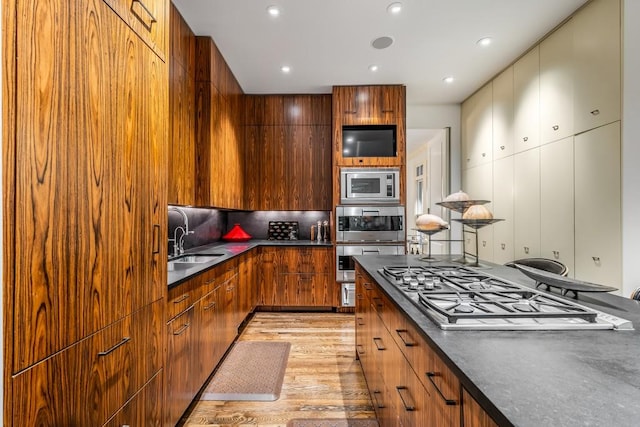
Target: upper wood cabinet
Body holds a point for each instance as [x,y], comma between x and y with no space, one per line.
[502,115]
[526,93]
[149,19]
[477,126]
[182,120]
[556,84]
[597,55]
[369,105]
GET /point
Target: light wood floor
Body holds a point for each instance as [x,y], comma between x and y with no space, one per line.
[323,379]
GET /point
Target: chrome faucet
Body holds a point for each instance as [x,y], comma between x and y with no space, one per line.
[178,243]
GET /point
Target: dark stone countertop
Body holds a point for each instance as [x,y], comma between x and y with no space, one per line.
[538,378]
[227,251]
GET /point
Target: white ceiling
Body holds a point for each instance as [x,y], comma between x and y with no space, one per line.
[328,42]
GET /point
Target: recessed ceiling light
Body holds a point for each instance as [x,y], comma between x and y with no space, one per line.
[394,8]
[485,41]
[448,79]
[382,42]
[285,69]
[373,68]
[273,11]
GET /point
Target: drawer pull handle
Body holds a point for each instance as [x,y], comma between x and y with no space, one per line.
[360,321]
[526,250]
[484,154]
[596,259]
[525,139]
[556,127]
[503,246]
[112,349]
[375,397]
[595,112]
[182,329]
[556,254]
[502,147]
[450,402]
[182,298]
[402,390]
[484,243]
[360,349]
[380,347]
[146,9]
[209,306]
[407,343]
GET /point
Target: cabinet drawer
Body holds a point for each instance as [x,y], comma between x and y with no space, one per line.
[445,388]
[148,19]
[183,296]
[144,409]
[86,383]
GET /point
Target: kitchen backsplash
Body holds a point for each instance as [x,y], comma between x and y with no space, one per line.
[209,225]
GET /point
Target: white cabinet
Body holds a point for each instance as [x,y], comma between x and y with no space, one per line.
[526,94]
[556,84]
[556,202]
[597,56]
[503,208]
[503,114]
[477,135]
[527,204]
[477,183]
[598,240]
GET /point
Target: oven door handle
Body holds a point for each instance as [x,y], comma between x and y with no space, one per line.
[370,251]
[377,211]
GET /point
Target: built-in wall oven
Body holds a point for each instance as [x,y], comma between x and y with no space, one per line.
[371,224]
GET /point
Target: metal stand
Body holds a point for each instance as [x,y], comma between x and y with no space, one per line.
[430,233]
[474,225]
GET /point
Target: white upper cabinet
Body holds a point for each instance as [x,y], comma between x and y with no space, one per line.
[503,114]
[596,43]
[526,93]
[556,84]
[527,204]
[556,202]
[477,134]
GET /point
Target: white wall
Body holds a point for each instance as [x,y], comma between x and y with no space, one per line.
[630,147]
[440,117]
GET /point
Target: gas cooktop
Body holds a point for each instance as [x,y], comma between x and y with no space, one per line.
[462,298]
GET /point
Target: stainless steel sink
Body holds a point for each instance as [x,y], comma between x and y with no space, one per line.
[196,259]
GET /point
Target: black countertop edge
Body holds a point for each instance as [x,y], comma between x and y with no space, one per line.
[229,250]
[459,350]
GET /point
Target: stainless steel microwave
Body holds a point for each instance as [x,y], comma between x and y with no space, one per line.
[370,186]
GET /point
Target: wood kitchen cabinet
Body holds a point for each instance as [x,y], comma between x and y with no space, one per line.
[526,208]
[182,121]
[598,204]
[89,102]
[143,409]
[597,54]
[556,84]
[473,414]
[181,373]
[526,94]
[556,202]
[297,276]
[369,105]
[477,125]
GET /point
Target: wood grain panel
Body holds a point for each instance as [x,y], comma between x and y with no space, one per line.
[474,415]
[180,386]
[144,409]
[182,42]
[307,109]
[253,167]
[80,386]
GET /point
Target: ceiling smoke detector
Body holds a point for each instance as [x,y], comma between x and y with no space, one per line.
[382,42]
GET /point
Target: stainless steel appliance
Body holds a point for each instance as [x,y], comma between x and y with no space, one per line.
[462,298]
[370,224]
[345,265]
[369,185]
[348,294]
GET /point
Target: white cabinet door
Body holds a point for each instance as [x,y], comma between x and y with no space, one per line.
[477,183]
[503,114]
[598,240]
[556,84]
[597,57]
[527,204]
[477,123]
[526,94]
[503,209]
[556,202]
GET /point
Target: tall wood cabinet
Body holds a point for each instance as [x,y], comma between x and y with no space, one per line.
[88,108]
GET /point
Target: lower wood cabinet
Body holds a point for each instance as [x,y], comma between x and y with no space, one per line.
[85,384]
[181,372]
[297,276]
[410,385]
[144,409]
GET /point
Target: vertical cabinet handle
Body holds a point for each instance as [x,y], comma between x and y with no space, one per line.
[503,246]
[556,254]
[430,376]
[156,239]
[407,402]
[146,9]
[526,250]
[112,349]
[407,342]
